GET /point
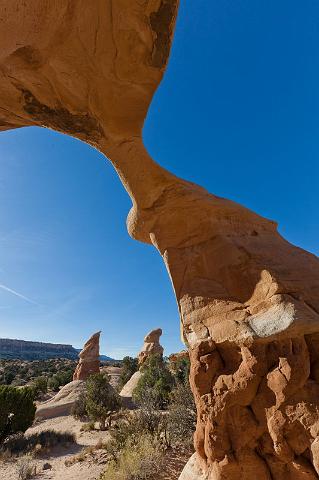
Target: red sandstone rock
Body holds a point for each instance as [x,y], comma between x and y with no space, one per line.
[248,300]
[151,346]
[89,362]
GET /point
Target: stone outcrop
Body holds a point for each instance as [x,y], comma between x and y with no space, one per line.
[151,346]
[248,299]
[62,403]
[89,362]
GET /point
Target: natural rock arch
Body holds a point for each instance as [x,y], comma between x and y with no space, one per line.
[248,300]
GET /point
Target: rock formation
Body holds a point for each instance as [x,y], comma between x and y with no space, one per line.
[248,300]
[151,346]
[89,362]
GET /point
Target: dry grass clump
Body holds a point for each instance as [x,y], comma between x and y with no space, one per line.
[26,468]
[37,443]
[140,460]
[88,427]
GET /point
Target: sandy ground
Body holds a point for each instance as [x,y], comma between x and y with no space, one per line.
[89,469]
[91,466]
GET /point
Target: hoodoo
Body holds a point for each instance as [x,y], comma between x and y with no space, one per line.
[248,300]
[151,346]
[89,362]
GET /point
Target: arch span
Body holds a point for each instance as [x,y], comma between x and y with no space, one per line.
[248,300]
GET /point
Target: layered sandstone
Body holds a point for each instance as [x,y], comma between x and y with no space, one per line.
[151,346]
[248,299]
[89,358]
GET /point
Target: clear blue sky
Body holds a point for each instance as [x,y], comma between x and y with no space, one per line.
[237,112]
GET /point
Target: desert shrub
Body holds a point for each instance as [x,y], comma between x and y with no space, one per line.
[8,377]
[179,425]
[47,439]
[40,385]
[137,461]
[101,399]
[60,379]
[64,377]
[154,387]
[88,427]
[131,427]
[79,410]
[26,468]
[53,384]
[17,410]
[129,367]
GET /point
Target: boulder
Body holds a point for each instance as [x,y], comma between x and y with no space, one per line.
[193,471]
[127,391]
[61,404]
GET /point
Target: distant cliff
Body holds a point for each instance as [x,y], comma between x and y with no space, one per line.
[24,350]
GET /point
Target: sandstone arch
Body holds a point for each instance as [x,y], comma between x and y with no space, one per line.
[248,300]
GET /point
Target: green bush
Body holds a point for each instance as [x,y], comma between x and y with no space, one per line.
[40,385]
[79,410]
[101,399]
[180,422]
[17,410]
[180,369]
[155,384]
[53,384]
[129,367]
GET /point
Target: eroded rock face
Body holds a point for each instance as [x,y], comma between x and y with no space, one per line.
[151,346]
[89,362]
[248,300]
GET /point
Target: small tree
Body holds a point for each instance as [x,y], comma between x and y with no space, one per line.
[180,422]
[17,410]
[53,383]
[155,384]
[40,385]
[180,369]
[79,410]
[101,399]
[129,367]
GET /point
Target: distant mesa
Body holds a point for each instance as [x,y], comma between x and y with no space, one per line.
[27,350]
[12,349]
[89,362]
